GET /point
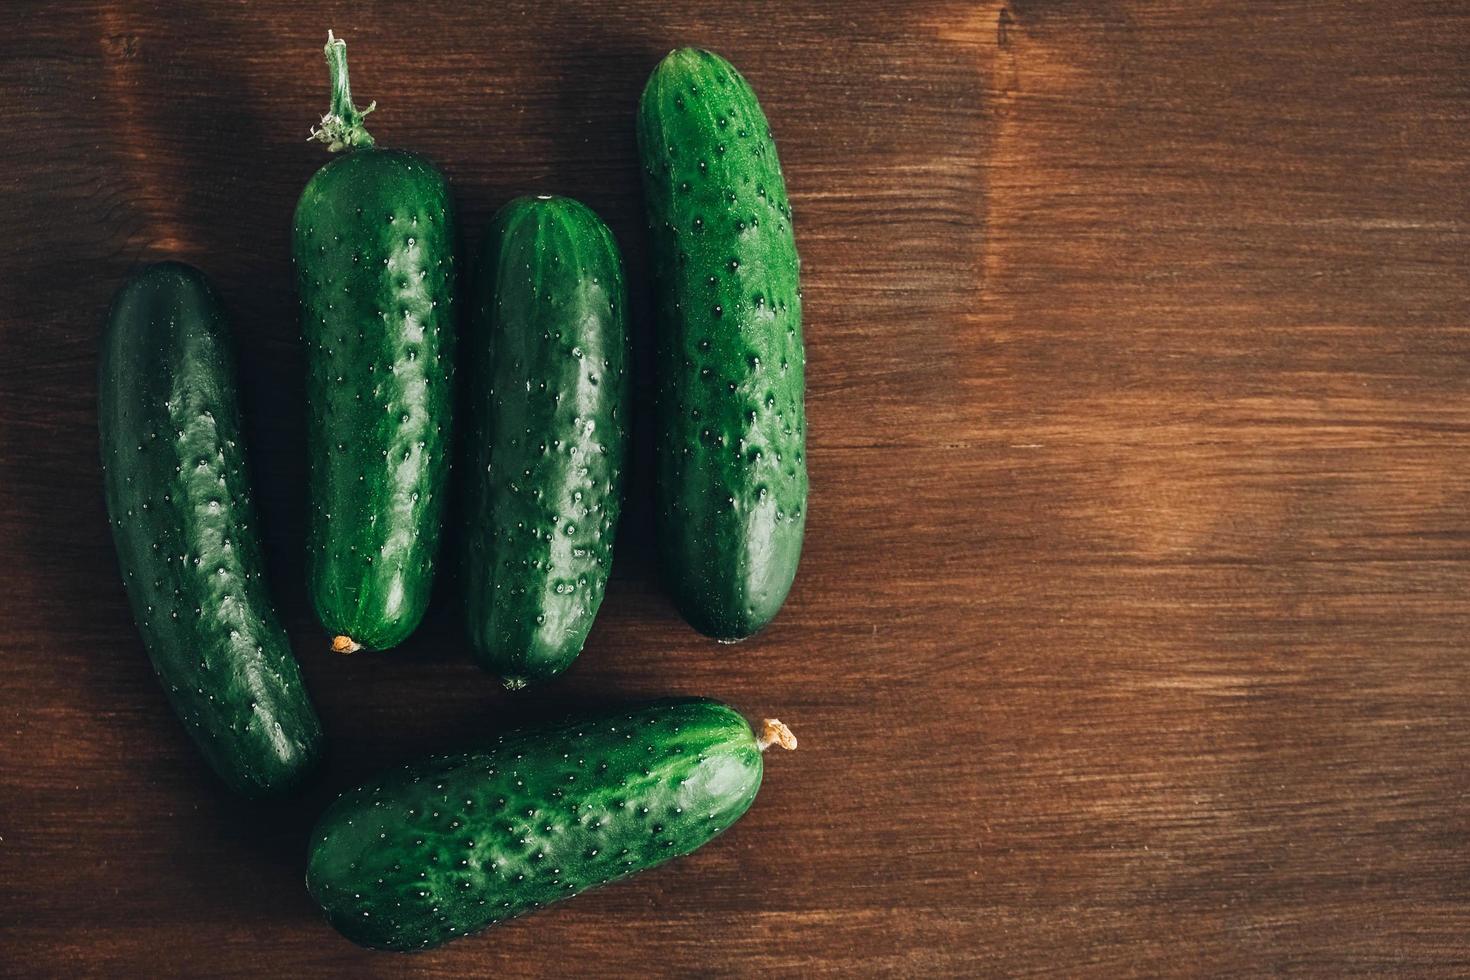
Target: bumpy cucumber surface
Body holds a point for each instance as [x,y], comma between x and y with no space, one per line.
[374,249]
[549,392]
[732,467]
[442,848]
[178,496]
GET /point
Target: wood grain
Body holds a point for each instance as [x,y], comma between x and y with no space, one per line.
[1130,635]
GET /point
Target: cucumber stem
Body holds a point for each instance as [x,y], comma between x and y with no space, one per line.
[775,733]
[345,645]
[341,128]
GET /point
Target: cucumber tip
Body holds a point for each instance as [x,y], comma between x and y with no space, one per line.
[775,733]
[345,645]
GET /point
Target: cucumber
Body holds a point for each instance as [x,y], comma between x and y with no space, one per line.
[178,497]
[374,250]
[549,435]
[732,481]
[440,849]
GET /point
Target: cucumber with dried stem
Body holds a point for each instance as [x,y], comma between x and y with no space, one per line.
[442,848]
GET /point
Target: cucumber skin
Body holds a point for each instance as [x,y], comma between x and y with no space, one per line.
[548,435]
[380,390]
[179,501]
[732,449]
[443,848]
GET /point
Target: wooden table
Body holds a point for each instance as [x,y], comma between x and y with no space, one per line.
[1131,632]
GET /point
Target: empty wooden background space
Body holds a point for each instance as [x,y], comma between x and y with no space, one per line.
[1131,632]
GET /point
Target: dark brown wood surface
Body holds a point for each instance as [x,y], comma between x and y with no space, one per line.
[1131,632]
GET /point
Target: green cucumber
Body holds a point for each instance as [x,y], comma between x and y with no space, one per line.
[549,435]
[374,249]
[732,479]
[178,497]
[443,848]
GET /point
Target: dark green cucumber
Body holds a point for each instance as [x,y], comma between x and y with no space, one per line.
[732,479]
[374,248]
[549,416]
[178,496]
[440,849]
